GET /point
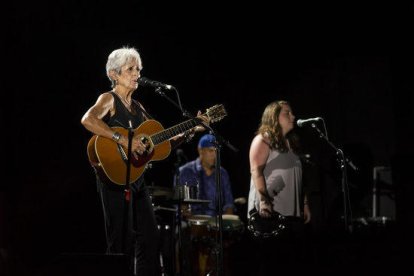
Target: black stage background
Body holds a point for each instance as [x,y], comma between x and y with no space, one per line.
[351,64]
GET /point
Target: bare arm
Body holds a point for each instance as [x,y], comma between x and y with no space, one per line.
[92,121]
[259,152]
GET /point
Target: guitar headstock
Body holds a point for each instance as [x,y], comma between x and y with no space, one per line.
[216,113]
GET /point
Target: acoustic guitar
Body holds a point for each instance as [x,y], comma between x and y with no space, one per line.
[106,154]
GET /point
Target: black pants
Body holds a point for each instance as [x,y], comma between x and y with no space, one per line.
[142,235]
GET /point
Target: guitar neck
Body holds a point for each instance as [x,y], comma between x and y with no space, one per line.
[168,133]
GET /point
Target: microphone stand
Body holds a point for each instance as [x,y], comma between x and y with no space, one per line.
[127,222]
[219,199]
[219,141]
[344,180]
[219,208]
[185,113]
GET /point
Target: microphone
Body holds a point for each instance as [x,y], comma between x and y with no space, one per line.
[147,82]
[302,122]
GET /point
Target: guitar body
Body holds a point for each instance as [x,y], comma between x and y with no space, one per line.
[109,157]
[106,154]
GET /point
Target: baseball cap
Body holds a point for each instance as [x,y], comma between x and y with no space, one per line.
[207,141]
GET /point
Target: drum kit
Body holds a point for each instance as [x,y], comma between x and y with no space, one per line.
[201,232]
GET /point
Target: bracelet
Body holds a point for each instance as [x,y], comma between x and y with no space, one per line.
[116,136]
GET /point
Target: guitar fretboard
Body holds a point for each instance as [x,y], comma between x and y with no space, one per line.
[168,133]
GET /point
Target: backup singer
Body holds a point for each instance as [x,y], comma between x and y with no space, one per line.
[276,185]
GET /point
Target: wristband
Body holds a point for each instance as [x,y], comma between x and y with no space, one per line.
[116,136]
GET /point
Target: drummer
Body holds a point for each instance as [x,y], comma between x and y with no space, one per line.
[197,240]
[202,172]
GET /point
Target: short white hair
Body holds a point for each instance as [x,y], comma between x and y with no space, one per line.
[119,58]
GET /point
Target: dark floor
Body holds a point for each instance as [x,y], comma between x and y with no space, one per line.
[371,249]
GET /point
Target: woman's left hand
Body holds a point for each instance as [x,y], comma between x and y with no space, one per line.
[206,121]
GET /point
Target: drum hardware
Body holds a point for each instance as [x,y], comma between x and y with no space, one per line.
[156,208]
[372,223]
[159,191]
[186,191]
[165,254]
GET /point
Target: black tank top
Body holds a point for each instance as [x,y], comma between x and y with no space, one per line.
[122,117]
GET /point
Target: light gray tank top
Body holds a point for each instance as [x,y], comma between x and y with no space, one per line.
[283,176]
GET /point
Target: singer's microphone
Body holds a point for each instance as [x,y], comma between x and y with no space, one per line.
[302,122]
[147,82]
